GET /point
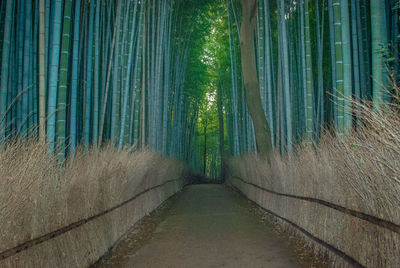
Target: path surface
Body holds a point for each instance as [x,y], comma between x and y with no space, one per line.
[210,226]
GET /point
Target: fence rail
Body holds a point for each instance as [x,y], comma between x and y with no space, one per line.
[43,238]
[360,215]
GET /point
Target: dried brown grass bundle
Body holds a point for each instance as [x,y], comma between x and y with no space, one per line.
[39,195]
[358,170]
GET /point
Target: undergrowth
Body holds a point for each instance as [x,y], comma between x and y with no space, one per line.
[38,194]
[359,170]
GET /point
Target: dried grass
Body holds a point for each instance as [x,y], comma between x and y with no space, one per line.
[359,171]
[38,196]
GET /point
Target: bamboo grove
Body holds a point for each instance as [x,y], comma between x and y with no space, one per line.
[313,57]
[166,74]
[88,72]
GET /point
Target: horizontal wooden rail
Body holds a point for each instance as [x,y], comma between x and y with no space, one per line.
[328,246]
[363,216]
[36,241]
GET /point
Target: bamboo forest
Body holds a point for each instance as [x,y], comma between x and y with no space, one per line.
[119,115]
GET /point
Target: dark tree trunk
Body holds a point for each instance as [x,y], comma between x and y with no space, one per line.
[252,89]
[205,148]
[221,123]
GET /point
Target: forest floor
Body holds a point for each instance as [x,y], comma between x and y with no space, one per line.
[208,226]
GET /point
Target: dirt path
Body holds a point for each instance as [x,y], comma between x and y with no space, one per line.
[209,226]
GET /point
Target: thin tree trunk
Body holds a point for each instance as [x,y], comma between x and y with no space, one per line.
[61,124]
[379,42]
[268,70]
[42,72]
[96,78]
[53,74]
[27,54]
[143,104]
[333,58]
[347,74]
[103,110]
[87,117]
[356,61]
[74,81]
[339,100]
[221,122]
[116,76]
[285,74]
[320,52]
[232,55]
[127,83]
[308,90]
[205,147]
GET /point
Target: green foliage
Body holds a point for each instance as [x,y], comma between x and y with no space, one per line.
[208,66]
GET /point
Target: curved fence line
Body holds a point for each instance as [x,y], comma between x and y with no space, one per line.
[328,246]
[337,251]
[36,241]
[363,216]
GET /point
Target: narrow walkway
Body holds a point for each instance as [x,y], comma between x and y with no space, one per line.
[211,226]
